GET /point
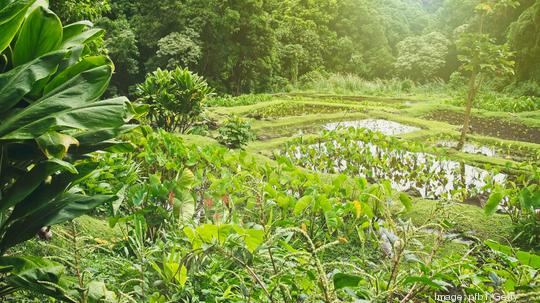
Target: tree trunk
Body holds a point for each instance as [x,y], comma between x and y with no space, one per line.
[468,107]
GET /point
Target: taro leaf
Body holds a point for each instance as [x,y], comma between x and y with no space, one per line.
[406,201]
[253,238]
[302,204]
[40,33]
[528,199]
[34,274]
[98,292]
[425,281]
[55,145]
[19,81]
[493,202]
[11,17]
[342,280]
[186,179]
[523,257]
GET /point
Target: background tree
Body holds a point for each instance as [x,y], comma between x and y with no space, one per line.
[76,10]
[421,58]
[481,56]
[177,50]
[121,44]
[524,38]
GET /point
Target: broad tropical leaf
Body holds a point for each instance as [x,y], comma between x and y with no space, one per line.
[16,83]
[41,33]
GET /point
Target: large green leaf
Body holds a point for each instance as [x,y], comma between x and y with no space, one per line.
[16,83]
[64,208]
[406,201]
[34,274]
[83,38]
[302,204]
[46,113]
[493,202]
[85,64]
[342,280]
[27,183]
[75,29]
[525,258]
[41,33]
[110,113]
[11,18]
[55,145]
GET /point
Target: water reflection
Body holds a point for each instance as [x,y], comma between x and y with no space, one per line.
[423,174]
[389,128]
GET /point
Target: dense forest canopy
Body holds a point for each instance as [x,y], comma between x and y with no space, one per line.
[267,45]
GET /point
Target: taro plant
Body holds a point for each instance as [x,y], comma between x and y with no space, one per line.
[175,97]
[235,133]
[51,119]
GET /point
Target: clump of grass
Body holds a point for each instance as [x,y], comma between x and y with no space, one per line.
[354,84]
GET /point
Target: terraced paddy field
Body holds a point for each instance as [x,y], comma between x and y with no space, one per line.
[496,138]
[410,142]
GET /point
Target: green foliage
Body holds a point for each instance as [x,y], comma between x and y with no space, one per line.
[230,101]
[77,10]
[175,98]
[235,133]
[52,119]
[523,36]
[492,101]
[350,84]
[121,43]
[178,50]
[422,58]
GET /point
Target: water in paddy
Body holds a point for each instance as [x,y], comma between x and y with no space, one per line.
[389,128]
[423,174]
[470,148]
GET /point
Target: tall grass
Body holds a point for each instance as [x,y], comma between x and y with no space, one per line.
[353,84]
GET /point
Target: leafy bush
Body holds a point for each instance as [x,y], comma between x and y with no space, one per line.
[175,98]
[52,119]
[235,133]
[407,85]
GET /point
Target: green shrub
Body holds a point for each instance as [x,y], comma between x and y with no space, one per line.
[175,98]
[235,133]
[407,85]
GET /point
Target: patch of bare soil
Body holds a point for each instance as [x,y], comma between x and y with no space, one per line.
[493,127]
